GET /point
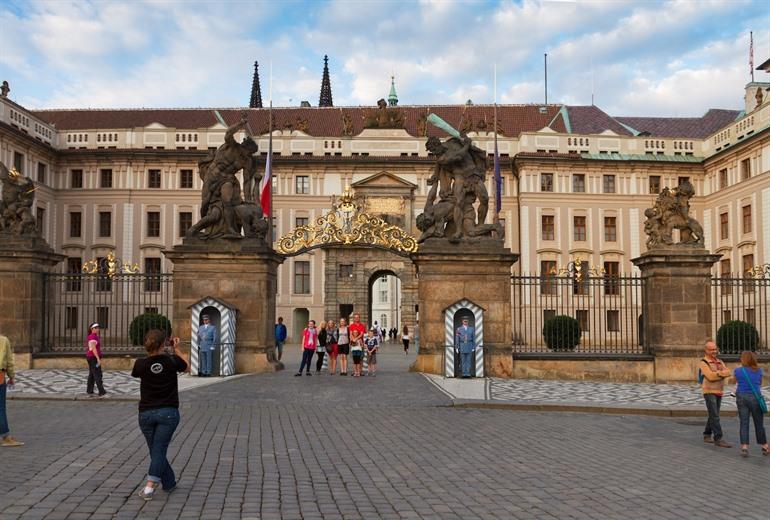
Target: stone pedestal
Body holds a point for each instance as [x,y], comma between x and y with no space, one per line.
[240,272]
[677,308]
[479,271]
[24,263]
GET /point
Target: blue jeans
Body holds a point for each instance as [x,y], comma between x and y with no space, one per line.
[3,417]
[465,360]
[713,427]
[279,349]
[307,358]
[207,357]
[749,407]
[158,427]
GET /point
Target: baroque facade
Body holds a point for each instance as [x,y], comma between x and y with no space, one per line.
[576,182]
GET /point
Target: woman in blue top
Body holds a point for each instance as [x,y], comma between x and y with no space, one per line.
[749,379]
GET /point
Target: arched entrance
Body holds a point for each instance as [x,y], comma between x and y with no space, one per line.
[385,301]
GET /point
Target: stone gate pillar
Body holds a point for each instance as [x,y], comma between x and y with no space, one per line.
[242,272]
[24,262]
[676,308]
[479,271]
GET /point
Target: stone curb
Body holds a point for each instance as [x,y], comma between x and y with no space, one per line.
[587,408]
[70,397]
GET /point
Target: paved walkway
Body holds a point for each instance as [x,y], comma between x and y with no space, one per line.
[589,395]
[277,446]
[71,384]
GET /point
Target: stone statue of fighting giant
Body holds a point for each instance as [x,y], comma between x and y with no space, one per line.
[223,210]
[16,216]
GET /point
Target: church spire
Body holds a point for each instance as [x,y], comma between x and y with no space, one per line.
[326,87]
[256,91]
[392,97]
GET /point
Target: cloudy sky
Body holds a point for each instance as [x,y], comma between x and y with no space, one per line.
[638,57]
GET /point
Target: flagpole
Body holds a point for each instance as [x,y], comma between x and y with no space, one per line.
[270,157]
[498,197]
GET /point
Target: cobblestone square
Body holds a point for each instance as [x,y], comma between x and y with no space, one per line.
[276,446]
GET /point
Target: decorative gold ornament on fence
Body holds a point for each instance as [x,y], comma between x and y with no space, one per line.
[578,269]
[347,224]
[759,271]
[110,265]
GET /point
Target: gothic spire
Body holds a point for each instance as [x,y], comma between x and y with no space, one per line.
[326,87]
[392,97]
[256,91]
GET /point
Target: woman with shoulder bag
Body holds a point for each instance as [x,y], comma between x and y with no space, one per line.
[320,349]
[750,402]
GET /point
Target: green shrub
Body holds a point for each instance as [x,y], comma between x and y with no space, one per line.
[736,336]
[145,322]
[561,333]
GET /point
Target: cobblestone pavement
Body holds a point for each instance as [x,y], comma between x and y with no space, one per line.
[71,383]
[278,446]
[652,396]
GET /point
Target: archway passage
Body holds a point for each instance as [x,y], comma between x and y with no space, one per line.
[385,302]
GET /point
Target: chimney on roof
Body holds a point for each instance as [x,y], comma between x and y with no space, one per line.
[326,86]
[256,91]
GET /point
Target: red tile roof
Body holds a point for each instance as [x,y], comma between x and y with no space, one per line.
[319,122]
[683,127]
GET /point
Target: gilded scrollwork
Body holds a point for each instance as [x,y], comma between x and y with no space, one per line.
[347,224]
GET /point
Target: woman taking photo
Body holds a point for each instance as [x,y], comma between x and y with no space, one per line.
[331,345]
[748,394]
[159,406]
[94,358]
[343,346]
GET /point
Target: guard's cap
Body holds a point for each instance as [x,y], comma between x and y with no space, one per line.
[94,325]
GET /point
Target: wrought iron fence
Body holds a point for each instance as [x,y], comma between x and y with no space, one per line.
[73,301]
[745,300]
[606,309]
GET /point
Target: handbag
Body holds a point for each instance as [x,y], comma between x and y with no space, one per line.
[759,396]
[2,377]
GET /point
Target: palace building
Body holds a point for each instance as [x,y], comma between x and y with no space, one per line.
[576,183]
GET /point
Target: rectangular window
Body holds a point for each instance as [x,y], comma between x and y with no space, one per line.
[746,212]
[103,317]
[745,169]
[301,277]
[751,317]
[654,184]
[185,222]
[302,185]
[152,272]
[608,183]
[548,227]
[724,270]
[153,223]
[548,314]
[153,178]
[105,224]
[682,180]
[300,221]
[723,179]
[71,317]
[40,221]
[41,171]
[18,161]
[727,315]
[582,318]
[546,182]
[579,229]
[502,186]
[103,282]
[76,179]
[548,274]
[581,287]
[613,321]
[579,183]
[611,281]
[384,296]
[105,178]
[151,310]
[74,267]
[724,226]
[610,229]
[76,224]
[346,270]
[185,178]
[748,265]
